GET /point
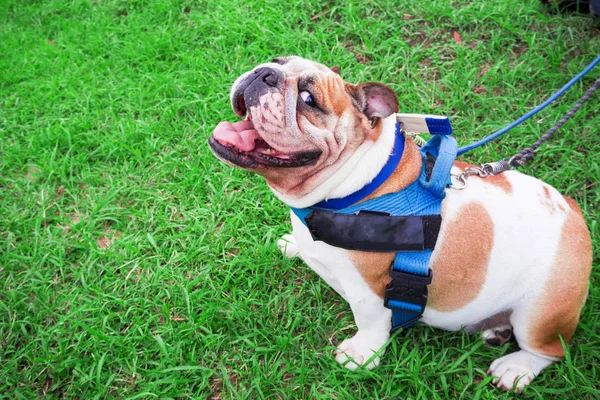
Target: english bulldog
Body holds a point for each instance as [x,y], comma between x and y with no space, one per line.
[513,256]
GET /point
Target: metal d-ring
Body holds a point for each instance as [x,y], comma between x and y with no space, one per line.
[462,178]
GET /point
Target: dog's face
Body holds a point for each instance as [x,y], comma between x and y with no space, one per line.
[301,122]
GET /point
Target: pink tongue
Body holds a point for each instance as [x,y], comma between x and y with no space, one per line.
[240,135]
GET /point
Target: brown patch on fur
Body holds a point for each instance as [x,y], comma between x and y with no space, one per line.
[547,193]
[459,267]
[337,98]
[458,275]
[406,172]
[573,204]
[546,200]
[500,180]
[566,290]
[374,269]
[462,165]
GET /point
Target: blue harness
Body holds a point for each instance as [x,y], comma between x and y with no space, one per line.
[406,222]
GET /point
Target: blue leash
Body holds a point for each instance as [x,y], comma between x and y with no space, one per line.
[531,113]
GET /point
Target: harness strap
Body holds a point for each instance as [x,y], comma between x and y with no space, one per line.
[406,295]
[374,231]
[425,123]
[443,148]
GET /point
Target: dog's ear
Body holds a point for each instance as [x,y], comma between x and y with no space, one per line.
[335,69]
[375,100]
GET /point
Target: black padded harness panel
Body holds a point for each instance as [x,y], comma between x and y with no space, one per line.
[374,231]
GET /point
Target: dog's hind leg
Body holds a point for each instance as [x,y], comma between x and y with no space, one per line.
[517,370]
[551,314]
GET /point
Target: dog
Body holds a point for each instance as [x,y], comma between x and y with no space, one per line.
[513,256]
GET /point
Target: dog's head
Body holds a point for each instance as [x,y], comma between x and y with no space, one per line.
[301,123]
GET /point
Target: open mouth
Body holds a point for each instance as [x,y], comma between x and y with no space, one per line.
[241,144]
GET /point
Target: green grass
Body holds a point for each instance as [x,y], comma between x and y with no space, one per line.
[134,265]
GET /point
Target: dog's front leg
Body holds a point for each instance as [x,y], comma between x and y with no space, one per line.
[371,317]
[373,321]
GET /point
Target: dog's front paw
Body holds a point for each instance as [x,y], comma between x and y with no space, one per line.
[517,370]
[288,247]
[356,352]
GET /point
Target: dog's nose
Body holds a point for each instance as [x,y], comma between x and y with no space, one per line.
[270,76]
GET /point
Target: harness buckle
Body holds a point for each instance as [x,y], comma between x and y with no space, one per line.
[407,288]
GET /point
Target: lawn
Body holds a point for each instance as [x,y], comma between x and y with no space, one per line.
[134,265]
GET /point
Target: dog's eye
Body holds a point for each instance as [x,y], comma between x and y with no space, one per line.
[308,98]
